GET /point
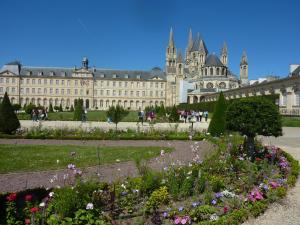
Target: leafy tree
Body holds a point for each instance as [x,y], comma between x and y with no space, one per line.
[217,123]
[60,108]
[173,114]
[72,108]
[16,107]
[51,108]
[8,120]
[116,114]
[56,108]
[78,110]
[29,108]
[251,117]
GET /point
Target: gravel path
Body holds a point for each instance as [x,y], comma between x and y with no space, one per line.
[286,211]
[185,152]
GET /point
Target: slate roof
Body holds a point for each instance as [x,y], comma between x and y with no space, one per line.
[213,60]
[98,73]
[296,72]
[196,45]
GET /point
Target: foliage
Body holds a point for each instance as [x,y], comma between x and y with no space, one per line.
[56,108]
[9,122]
[216,183]
[217,123]
[116,114]
[72,108]
[60,108]
[158,197]
[202,212]
[16,107]
[257,208]
[173,114]
[78,110]
[29,108]
[51,108]
[251,117]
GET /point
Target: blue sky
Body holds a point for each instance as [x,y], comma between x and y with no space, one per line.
[133,34]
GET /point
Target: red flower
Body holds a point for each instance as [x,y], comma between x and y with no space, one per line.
[225,209]
[258,159]
[28,198]
[11,197]
[34,210]
[27,221]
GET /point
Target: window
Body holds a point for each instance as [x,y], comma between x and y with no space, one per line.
[101,92]
[51,81]
[283,99]
[143,93]
[1,80]
[76,82]
[33,90]
[1,89]
[125,93]
[56,91]
[13,80]
[76,92]
[114,83]
[161,85]
[57,82]
[62,91]
[161,94]
[101,83]
[22,90]
[131,84]
[126,84]
[151,93]
[209,85]
[62,82]
[138,84]
[68,91]
[107,83]
[27,90]
[39,81]
[120,93]
[151,84]
[33,81]
[39,90]
[51,90]
[297,98]
[107,92]
[45,90]
[156,85]
[156,93]
[211,71]
[13,90]
[7,80]
[7,89]
[45,81]
[131,93]
[81,92]
[114,92]
[27,81]
[137,93]
[144,84]
[120,84]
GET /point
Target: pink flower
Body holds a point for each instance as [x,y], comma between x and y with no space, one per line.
[183,221]
[177,220]
[34,210]
[28,198]
[11,197]
[225,209]
[27,221]
[274,184]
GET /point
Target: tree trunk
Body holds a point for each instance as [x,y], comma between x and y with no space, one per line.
[250,146]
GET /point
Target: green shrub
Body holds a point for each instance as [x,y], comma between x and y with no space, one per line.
[202,212]
[291,180]
[51,108]
[116,114]
[257,208]
[217,123]
[200,183]
[217,183]
[151,181]
[158,197]
[78,110]
[9,122]
[186,188]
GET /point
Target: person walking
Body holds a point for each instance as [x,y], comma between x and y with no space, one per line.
[141,117]
[206,115]
[200,115]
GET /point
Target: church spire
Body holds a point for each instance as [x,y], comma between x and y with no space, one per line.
[202,47]
[224,54]
[224,49]
[171,38]
[244,60]
[179,57]
[190,43]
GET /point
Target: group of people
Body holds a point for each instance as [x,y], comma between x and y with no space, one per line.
[39,114]
[193,116]
[150,116]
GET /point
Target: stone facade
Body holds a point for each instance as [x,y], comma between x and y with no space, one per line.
[207,73]
[99,88]
[287,88]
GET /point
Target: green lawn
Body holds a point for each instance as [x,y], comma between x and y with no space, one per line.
[291,121]
[91,116]
[17,158]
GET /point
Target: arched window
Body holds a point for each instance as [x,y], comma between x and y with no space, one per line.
[218,71]
[209,85]
[283,99]
[205,71]
[297,98]
[222,85]
[211,71]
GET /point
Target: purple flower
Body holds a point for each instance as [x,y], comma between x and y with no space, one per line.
[180,209]
[123,193]
[71,166]
[195,204]
[165,214]
[214,201]
[218,195]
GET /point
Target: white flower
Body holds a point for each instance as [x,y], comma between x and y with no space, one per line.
[189,173]
[117,160]
[42,204]
[90,206]
[51,181]
[214,217]
[123,186]
[57,161]
[51,194]
[119,169]
[162,152]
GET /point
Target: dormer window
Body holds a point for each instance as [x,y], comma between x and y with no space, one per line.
[52,73]
[102,75]
[126,76]
[40,73]
[63,74]
[29,73]
[138,76]
[114,75]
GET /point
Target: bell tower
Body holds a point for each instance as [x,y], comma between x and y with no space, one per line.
[171,55]
[224,54]
[244,69]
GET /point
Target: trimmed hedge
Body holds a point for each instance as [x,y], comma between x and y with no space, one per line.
[209,106]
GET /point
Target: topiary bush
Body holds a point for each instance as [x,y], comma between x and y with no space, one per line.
[9,122]
[217,123]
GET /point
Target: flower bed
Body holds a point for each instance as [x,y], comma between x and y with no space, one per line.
[226,188]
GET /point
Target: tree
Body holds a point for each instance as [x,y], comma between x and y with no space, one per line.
[72,108]
[78,110]
[29,108]
[60,108]
[217,123]
[9,122]
[116,114]
[56,108]
[16,107]
[51,108]
[251,117]
[173,114]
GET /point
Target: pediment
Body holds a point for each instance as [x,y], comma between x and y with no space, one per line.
[7,73]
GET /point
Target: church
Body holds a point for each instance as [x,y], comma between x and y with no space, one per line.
[185,79]
[200,72]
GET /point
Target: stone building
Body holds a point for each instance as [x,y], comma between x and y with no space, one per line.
[199,71]
[99,88]
[205,72]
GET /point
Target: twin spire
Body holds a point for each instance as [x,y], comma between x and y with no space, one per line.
[171,38]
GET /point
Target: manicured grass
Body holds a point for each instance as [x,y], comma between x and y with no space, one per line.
[17,158]
[91,116]
[291,121]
